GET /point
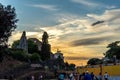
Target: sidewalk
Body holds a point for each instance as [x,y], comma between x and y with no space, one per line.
[114,78]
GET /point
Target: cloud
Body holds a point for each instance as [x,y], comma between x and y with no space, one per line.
[81,57]
[108,15]
[74,28]
[30,27]
[111,7]
[46,7]
[91,41]
[111,18]
[76,58]
[86,3]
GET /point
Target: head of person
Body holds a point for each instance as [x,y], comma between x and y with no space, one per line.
[91,72]
[87,72]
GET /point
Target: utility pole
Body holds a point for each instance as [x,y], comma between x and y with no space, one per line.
[101,69]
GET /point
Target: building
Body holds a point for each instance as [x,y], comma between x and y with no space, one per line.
[58,54]
[23,42]
[36,41]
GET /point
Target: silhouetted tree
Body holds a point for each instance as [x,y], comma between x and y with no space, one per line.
[32,46]
[46,47]
[72,66]
[15,44]
[19,54]
[35,57]
[60,62]
[7,23]
[94,61]
[66,66]
[114,49]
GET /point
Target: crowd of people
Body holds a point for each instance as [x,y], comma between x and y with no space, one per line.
[84,76]
[72,76]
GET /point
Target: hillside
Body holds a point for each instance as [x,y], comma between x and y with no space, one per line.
[8,65]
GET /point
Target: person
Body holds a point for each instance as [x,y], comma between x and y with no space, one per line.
[5,77]
[81,77]
[61,76]
[32,77]
[40,77]
[71,76]
[106,76]
[11,77]
[92,75]
[87,76]
[100,76]
[28,78]
[76,75]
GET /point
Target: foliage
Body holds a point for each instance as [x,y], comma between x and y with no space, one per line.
[7,23]
[19,54]
[66,64]
[1,53]
[72,66]
[60,62]
[69,66]
[45,52]
[114,49]
[35,57]
[15,44]
[94,61]
[32,47]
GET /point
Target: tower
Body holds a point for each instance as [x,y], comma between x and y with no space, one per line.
[23,42]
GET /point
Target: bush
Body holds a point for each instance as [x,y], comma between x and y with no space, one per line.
[35,57]
[20,55]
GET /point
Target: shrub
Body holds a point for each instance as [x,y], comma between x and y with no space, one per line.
[35,57]
[19,55]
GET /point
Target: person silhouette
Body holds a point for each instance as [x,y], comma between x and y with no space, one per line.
[87,76]
[106,76]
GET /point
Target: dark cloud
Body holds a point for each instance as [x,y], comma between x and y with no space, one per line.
[98,22]
[52,36]
[90,41]
[77,58]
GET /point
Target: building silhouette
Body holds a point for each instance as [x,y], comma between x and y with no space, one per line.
[38,42]
[43,46]
[58,54]
[23,42]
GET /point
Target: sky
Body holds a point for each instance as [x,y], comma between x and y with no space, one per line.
[69,25]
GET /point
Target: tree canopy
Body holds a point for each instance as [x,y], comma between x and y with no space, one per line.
[7,23]
[114,49]
[94,61]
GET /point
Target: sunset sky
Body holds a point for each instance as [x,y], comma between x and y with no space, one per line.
[69,25]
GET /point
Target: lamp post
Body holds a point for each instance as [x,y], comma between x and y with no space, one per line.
[114,59]
[101,69]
